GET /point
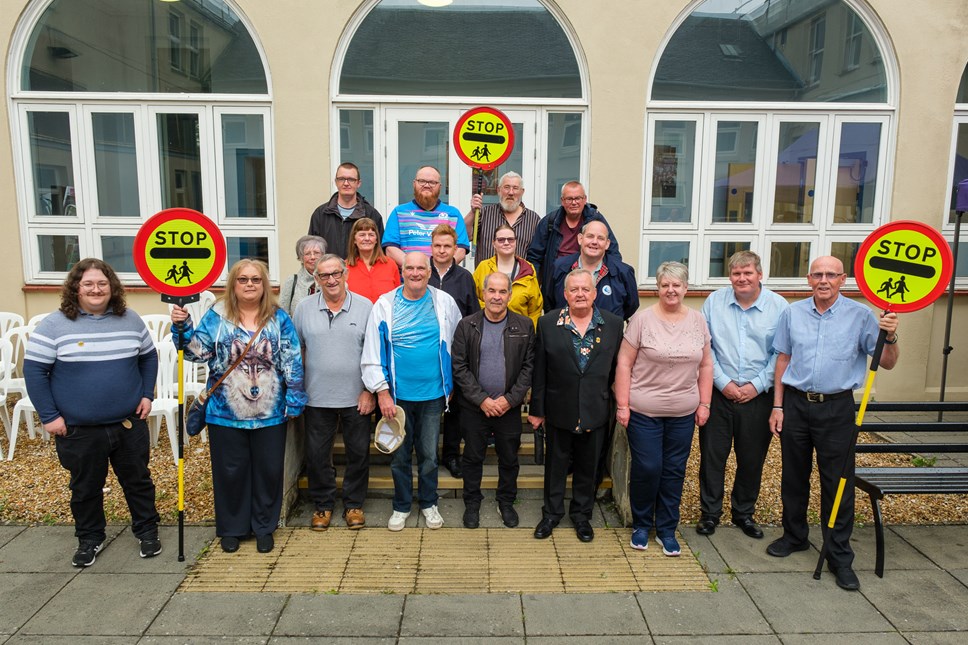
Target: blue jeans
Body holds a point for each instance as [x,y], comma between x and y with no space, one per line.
[423,432]
[659,447]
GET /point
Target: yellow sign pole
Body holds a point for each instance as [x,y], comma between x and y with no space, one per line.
[181,453]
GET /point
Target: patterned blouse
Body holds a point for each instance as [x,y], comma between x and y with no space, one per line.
[583,345]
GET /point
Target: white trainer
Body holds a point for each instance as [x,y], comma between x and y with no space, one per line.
[398,520]
[432,517]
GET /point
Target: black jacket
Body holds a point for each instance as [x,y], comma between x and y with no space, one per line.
[327,223]
[518,358]
[563,394]
[459,284]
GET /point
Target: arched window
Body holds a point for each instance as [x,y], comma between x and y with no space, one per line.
[412,66]
[769,125]
[959,172]
[102,145]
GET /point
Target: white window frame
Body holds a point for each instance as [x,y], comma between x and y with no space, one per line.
[948,227]
[218,112]
[90,201]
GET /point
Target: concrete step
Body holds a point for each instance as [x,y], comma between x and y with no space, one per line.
[531,476]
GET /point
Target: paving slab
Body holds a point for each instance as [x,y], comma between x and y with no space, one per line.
[105,605]
[44,549]
[795,603]
[742,554]
[884,638]
[464,615]
[716,640]
[216,614]
[203,640]
[591,640]
[341,615]
[462,640]
[124,554]
[935,638]
[23,594]
[945,545]
[959,574]
[703,548]
[928,601]
[25,639]
[314,640]
[8,533]
[729,610]
[582,615]
[899,554]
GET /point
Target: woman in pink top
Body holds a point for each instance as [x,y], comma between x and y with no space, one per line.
[663,385]
[370,273]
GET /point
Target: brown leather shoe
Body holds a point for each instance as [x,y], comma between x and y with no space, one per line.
[321,520]
[355,519]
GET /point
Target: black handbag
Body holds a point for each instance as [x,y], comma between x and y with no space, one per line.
[195,415]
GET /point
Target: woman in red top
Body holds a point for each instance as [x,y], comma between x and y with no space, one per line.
[370,273]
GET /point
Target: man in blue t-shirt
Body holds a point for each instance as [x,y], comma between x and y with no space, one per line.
[406,362]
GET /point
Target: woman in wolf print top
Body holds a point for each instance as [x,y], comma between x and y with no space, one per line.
[247,414]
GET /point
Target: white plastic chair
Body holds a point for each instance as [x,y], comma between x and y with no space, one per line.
[34,320]
[159,326]
[165,405]
[9,319]
[199,371]
[17,338]
[6,369]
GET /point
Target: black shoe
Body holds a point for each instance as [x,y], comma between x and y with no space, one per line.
[584,531]
[846,578]
[230,544]
[782,547]
[264,543]
[508,515]
[749,527]
[706,525]
[472,517]
[544,528]
[86,553]
[150,547]
[453,465]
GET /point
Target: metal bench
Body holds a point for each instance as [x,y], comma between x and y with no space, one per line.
[911,480]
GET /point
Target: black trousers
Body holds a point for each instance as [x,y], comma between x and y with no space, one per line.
[582,451]
[453,431]
[86,451]
[744,428]
[247,467]
[827,428]
[321,426]
[507,442]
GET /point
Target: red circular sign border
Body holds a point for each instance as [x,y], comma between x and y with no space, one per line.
[169,215]
[460,124]
[947,265]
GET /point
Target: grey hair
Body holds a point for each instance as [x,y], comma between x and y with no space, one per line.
[330,256]
[307,240]
[675,270]
[572,184]
[509,174]
[744,259]
[577,272]
[487,278]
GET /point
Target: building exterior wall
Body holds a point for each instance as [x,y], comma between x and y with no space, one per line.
[619,43]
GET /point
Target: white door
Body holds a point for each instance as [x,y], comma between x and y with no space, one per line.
[418,137]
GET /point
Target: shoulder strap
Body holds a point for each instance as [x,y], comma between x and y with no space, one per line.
[292,294]
[237,361]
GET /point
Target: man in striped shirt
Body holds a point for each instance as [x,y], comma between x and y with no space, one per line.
[90,372]
[509,210]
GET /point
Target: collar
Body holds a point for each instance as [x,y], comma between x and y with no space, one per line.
[421,208]
[757,304]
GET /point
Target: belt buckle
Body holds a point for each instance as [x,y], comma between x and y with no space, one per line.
[814,397]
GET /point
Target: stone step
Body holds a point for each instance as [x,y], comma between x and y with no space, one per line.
[531,476]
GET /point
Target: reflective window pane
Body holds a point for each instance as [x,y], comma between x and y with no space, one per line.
[743,50]
[58,252]
[356,144]
[52,162]
[672,251]
[117,250]
[673,165]
[846,252]
[181,161]
[857,173]
[719,254]
[796,173]
[564,155]
[961,266]
[735,171]
[422,143]
[252,247]
[127,46]
[963,87]
[489,178]
[116,164]
[476,51]
[789,259]
[961,170]
[244,159]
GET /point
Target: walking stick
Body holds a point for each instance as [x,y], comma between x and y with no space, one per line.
[875,363]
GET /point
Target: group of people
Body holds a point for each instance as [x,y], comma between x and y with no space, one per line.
[384,320]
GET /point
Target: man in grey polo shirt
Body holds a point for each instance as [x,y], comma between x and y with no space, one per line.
[331,325]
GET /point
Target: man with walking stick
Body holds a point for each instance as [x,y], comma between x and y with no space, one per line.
[823,343]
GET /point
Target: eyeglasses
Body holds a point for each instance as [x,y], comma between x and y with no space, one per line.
[91,286]
[244,279]
[573,200]
[427,182]
[830,275]
[512,189]
[346,180]
[504,240]
[325,277]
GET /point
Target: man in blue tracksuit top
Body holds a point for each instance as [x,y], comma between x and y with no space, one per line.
[90,372]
